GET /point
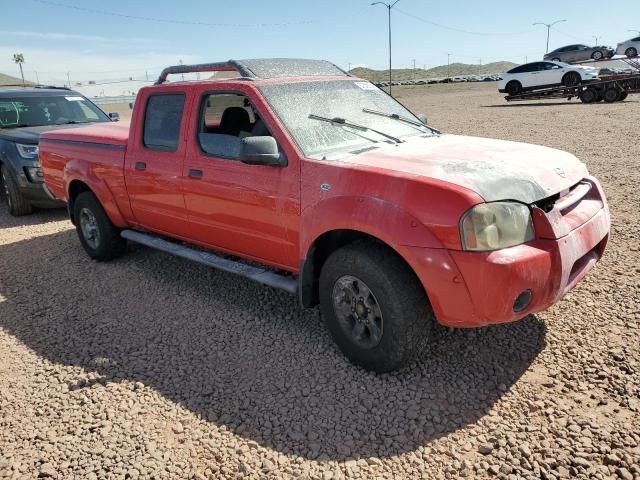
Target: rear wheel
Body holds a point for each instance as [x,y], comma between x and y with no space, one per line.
[555,59]
[374,307]
[631,52]
[590,95]
[99,237]
[571,79]
[611,95]
[514,87]
[597,55]
[16,203]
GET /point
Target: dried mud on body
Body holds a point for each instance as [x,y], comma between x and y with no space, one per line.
[153,367]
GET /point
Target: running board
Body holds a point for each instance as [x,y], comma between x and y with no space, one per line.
[257,274]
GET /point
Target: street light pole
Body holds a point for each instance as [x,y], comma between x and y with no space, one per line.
[634,31]
[596,39]
[548,25]
[389,7]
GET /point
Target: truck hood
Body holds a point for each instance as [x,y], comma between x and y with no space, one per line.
[494,169]
[30,135]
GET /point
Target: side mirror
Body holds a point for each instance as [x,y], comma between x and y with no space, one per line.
[261,151]
[114,116]
[423,118]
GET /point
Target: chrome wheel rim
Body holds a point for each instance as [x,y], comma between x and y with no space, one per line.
[89,228]
[358,312]
[597,55]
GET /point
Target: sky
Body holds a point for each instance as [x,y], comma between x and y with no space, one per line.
[105,42]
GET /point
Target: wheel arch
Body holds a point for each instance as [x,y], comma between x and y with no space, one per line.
[320,250]
[76,187]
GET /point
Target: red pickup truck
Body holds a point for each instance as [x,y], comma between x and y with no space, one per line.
[341,194]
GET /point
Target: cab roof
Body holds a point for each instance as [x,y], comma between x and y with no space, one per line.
[260,69]
[10,91]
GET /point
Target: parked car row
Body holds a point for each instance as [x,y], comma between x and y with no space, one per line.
[458,79]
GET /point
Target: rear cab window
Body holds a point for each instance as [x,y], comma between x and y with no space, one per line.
[162,120]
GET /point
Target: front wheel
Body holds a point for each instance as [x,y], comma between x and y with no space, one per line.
[375,307]
[571,79]
[99,237]
[16,203]
[514,88]
[597,55]
[631,52]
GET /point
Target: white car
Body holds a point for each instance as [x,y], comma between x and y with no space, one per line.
[537,75]
[630,48]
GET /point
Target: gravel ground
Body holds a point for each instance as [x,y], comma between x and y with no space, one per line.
[153,367]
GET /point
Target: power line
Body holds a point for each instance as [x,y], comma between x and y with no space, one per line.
[167,20]
[460,30]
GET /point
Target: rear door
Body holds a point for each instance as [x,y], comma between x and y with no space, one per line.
[249,210]
[154,163]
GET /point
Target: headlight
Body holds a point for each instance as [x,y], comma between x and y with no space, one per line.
[492,226]
[27,151]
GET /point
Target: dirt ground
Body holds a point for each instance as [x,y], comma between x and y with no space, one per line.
[152,367]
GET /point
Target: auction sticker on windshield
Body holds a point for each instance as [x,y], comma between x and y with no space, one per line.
[74,99]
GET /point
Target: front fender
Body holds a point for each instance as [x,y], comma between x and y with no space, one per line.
[84,171]
[369,215]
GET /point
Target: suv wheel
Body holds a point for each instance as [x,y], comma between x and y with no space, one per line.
[374,307]
[514,87]
[16,203]
[99,237]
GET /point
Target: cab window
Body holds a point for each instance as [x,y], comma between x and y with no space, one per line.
[162,119]
[225,119]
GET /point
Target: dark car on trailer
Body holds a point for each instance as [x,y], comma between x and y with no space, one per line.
[25,113]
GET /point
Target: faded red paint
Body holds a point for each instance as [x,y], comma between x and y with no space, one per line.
[411,196]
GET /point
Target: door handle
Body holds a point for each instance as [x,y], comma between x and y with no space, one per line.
[195,173]
[140,166]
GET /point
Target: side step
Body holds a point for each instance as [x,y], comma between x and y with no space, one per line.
[212,260]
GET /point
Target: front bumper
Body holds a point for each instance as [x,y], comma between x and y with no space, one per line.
[36,193]
[472,289]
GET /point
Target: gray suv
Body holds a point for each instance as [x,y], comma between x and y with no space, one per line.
[578,53]
[26,112]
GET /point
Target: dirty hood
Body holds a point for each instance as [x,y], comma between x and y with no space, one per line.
[495,169]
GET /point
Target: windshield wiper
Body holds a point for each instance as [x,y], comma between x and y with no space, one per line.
[341,122]
[400,118]
[70,122]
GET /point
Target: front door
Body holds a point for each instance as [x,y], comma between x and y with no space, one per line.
[249,210]
[154,165]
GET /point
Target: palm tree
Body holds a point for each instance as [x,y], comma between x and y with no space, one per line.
[19,59]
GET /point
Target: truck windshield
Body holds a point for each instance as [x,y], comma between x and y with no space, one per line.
[35,111]
[299,104]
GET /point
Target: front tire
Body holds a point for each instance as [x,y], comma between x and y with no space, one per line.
[514,88]
[98,236]
[597,55]
[571,79]
[631,52]
[16,203]
[374,306]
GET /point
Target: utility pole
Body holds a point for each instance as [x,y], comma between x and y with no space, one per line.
[596,39]
[349,67]
[448,64]
[548,25]
[480,67]
[68,80]
[37,79]
[413,73]
[389,7]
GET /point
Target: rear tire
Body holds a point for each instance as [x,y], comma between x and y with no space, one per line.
[555,59]
[98,236]
[514,87]
[16,203]
[590,95]
[631,52]
[597,55]
[571,79]
[374,306]
[611,95]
